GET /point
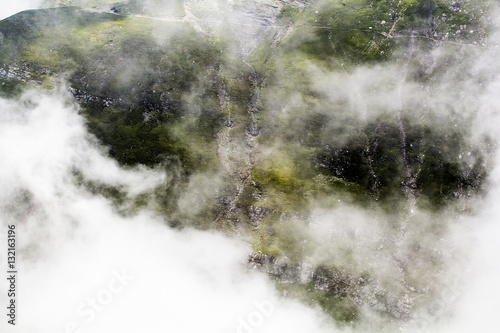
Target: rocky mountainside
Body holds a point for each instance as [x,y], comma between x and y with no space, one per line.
[273,118]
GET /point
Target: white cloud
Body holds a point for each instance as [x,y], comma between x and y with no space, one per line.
[8,8]
[72,244]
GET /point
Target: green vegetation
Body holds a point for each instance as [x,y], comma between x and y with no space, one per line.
[11,88]
[131,86]
[373,159]
[254,146]
[352,32]
[335,302]
[288,14]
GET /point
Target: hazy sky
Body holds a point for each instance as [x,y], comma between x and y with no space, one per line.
[8,8]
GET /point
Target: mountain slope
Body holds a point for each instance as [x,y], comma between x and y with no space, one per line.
[274,111]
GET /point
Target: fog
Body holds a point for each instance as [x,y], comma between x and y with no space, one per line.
[477,302]
[72,244]
[87,264]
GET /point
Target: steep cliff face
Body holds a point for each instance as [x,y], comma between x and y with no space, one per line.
[265,112]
